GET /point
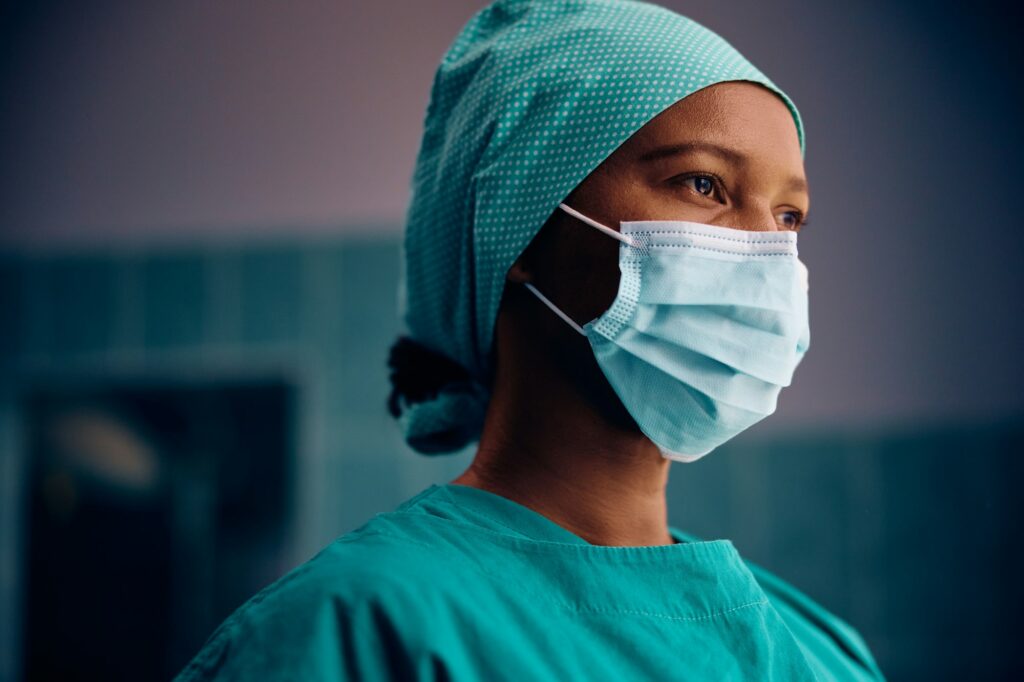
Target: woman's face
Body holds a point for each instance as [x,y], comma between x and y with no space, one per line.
[738,131]
[727,155]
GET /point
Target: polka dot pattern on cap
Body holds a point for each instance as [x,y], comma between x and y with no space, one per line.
[529,99]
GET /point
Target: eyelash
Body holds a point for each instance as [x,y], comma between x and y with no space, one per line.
[801,219]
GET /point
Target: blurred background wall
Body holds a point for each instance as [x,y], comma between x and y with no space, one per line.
[200,212]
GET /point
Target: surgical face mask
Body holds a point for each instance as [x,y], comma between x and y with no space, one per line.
[709,323]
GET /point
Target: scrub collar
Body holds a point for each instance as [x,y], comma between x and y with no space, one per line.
[684,581]
[490,508]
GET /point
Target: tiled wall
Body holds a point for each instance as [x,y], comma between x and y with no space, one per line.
[909,535]
[319,315]
[912,536]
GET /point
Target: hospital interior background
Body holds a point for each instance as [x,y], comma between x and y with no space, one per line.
[200,222]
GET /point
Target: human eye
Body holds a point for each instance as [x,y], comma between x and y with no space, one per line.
[702,183]
[796,222]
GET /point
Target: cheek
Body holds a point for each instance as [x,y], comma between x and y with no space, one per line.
[578,269]
[594,278]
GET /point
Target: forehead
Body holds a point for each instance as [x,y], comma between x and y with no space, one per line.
[742,115]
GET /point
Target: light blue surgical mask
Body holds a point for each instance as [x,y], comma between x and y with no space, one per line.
[708,326]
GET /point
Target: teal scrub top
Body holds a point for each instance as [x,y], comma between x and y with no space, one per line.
[459,583]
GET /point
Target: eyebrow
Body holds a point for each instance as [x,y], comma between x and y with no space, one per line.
[795,183]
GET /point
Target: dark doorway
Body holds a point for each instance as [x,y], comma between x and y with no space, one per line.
[154,511]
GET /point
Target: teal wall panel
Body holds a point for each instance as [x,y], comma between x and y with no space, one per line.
[368,308]
[174,290]
[270,289]
[81,300]
[12,309]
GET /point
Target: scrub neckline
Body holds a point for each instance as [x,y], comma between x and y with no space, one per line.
[532,525]
[690,579]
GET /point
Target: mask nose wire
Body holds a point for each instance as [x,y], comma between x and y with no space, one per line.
[593,223]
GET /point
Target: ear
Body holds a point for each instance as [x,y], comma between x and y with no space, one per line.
[525,266]
[520,272]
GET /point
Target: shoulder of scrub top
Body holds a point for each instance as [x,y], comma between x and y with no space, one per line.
[801,612]
[311,622]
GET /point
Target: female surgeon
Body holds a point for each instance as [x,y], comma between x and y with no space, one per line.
[600,277]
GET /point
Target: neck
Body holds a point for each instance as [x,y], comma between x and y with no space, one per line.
[550,449]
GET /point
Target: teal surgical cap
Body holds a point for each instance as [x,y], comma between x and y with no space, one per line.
[529,99]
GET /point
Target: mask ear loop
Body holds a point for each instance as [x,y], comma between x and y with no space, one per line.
[554,308]
[593,223]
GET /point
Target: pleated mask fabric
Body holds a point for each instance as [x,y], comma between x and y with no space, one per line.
[531,97]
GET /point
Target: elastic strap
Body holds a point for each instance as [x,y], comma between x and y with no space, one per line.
[593,223]
[553,307]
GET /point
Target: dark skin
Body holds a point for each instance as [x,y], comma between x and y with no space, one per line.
[556,438]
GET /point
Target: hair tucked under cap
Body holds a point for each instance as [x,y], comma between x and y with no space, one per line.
[529,99]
